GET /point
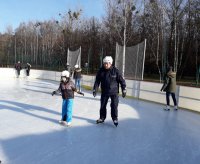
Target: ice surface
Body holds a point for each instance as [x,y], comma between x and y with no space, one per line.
[30,133]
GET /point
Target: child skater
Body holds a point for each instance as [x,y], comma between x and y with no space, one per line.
[67,89]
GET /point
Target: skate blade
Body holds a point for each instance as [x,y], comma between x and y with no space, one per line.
[99,122]
[65,125]
[62,123]
[116,125]
[166,109]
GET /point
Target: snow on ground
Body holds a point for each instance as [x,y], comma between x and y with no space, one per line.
[30,133]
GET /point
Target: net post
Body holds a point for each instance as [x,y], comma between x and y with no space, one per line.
[144,57]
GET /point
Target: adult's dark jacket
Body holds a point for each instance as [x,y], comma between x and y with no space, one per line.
[110,79]
[18,66]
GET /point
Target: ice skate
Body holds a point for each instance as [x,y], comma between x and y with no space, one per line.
[99,121]
[62,122]
[167,108]
[115,122]
[68,123]
[175,108]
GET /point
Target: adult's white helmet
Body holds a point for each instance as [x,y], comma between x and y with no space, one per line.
[76,66]
[108,59]
[65,73]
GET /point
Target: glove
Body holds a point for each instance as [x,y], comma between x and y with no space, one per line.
[94,93]
[124,93]
[81,93]
[53,93]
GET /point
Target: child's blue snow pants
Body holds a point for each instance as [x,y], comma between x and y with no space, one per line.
[67,107]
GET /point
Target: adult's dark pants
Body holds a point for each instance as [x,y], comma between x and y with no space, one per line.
[27,72]
[113,105]
[173,98]
[18,72]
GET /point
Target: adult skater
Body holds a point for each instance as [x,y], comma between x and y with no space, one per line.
[110,78]
[77,77]
[169,87]
[18,68]
[28,67]
[67,89]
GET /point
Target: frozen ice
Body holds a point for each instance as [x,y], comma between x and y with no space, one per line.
[30,132]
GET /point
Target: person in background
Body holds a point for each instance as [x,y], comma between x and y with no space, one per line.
[109,77]
[77,77]
[69,69]
[67,89]
[28,67]
[169,87]
[18,68]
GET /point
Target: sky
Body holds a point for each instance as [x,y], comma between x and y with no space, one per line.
[14,12]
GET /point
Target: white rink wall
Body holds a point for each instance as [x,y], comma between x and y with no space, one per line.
[36,74]
[187,97]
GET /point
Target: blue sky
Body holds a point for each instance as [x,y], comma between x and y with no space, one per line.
[13,12]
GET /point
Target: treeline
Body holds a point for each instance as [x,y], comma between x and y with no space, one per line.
[171,28]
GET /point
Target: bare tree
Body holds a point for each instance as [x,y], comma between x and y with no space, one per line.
[121,13]
[155,31]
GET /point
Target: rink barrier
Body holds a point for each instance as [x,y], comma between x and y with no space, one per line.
[151,91]
[187,97]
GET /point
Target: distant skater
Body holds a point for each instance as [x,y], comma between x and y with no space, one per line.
[77,77]
[18,68]
[69,69]
[28,67]
[169,87]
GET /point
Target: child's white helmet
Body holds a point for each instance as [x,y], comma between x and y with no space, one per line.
[65,73]
[76,66]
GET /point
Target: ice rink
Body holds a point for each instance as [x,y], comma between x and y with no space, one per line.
[30,132]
